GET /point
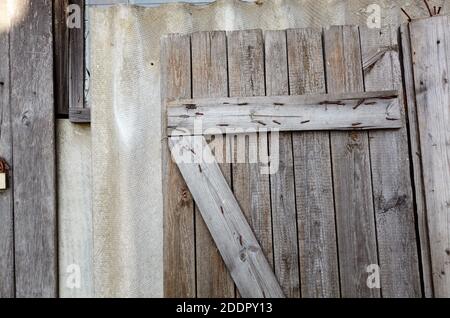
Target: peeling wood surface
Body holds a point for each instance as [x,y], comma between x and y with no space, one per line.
[430,45]
[234,238]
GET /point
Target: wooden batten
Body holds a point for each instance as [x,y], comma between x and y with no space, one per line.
[358,111]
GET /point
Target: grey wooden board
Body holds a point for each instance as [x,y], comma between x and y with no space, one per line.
[282,184]
[351,169]
[252,189]
[233,236]
[197,117]
[6,197]
[80,115]
[313,179]
[76,69]
[33,127]
[61,57]
[430,43]
[179,235]
[209,79]
[392,189]
[421,213]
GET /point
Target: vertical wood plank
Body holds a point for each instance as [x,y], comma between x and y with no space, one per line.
[392,189]
[33,126]
[179,235]
[285,242]
[351,169]
[61,55]
[210,79]
[76,61]
[246,78]
[6,197]
[313,178]
[430,42]
[421,213]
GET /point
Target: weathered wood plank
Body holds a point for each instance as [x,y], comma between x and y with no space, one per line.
[392,189]
[198,116]
[6,197]
[33,127]
[246,78]
[421,213]
[80,115]
[77,61]
[179,236]
[61,56]
[238,245]
[209,79]
[284,225]
[430,42]
[353,99]
[351,169]
[313,179]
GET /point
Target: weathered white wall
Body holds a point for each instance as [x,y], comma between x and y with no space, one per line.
[127,216]
[75,210]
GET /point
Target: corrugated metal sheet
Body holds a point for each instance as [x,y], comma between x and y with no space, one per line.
[126,119]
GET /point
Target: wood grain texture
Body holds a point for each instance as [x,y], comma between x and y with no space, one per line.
[252,189]
[430,42]
[76,61]
[414,142]
[351,169]
[6,197]
[33,126]
[179,235]
[295,113]
[235,240]
[392,189]
[210,79]
[285,243]
[80,115]
[61,56]
[313,178]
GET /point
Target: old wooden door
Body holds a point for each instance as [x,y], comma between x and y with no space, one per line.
[338,213]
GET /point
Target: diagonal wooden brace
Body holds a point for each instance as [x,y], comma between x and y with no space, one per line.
[224,218]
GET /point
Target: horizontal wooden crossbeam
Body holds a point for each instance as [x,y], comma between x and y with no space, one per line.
[355,111]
